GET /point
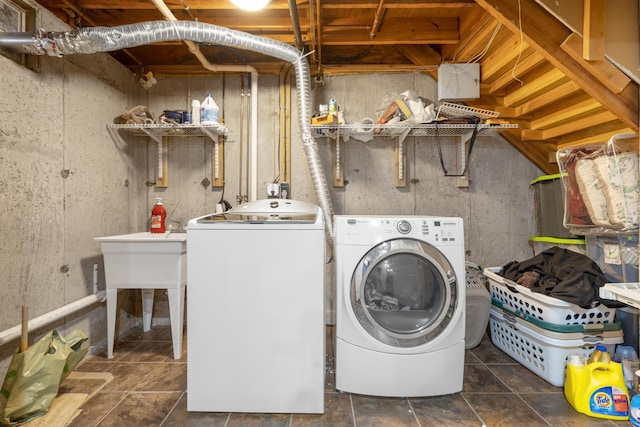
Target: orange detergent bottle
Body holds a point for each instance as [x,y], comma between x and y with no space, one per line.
[158,217]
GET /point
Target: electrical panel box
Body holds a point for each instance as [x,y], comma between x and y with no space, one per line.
[458,82]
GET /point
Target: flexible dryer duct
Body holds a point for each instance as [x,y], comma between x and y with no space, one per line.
[105,39]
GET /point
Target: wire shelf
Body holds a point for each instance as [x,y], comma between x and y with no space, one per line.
[160,130]
[448,109]
[427,129]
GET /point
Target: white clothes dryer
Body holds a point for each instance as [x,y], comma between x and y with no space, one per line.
[400,305]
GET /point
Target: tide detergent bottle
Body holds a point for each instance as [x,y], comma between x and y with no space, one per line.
[597,389]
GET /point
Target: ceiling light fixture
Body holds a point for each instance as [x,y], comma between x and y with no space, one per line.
[250,5]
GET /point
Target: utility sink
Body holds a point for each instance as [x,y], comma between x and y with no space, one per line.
[146,261]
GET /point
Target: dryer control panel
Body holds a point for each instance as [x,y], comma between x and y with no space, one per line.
[374,229]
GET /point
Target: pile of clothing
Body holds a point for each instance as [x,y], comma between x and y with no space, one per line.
[563,274]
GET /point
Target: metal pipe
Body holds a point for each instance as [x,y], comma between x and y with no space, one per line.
[195,50]
[52,316]
[376,19]
[15,42]
[295,22]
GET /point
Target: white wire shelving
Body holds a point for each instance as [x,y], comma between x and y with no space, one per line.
[159,131]
[394,130]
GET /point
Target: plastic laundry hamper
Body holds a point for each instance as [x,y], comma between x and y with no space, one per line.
[478,305]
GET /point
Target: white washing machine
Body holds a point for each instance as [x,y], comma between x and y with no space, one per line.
[400,306]
[255,309]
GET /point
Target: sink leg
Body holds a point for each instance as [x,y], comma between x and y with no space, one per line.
[147,308]
[176,312]
[112,303]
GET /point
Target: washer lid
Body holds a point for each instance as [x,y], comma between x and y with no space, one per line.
[268,211]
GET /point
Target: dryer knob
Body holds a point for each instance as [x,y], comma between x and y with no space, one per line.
[404,226]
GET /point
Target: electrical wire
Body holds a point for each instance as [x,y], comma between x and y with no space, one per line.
[513,70]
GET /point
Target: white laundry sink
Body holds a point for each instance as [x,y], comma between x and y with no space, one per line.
[145,260]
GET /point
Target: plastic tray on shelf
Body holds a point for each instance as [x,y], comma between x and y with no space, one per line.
[627,293]
[449,109]
[541,351]
[544,307]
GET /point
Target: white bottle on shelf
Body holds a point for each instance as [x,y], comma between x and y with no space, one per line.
[195,112]
[210,111]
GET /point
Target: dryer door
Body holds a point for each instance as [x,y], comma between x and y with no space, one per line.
[404,292]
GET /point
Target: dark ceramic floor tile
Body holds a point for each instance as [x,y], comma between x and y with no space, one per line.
[522,380]
[450,410]
[258,420]
[180,417]
[337,413]
[500,409]
[120,350]
[470,358]
[96,408]
[82,385]
[554,408]
[126,376]
[150,351]
[165,377]
[489,353]
[156,333]
[382,411]
[141,410]
[479,379]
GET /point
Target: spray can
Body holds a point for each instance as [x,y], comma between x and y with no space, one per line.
[158,217]
[210,111]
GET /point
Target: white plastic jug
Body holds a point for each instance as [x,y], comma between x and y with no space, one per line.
[210,111]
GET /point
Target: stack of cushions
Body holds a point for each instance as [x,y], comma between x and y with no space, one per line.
[609,188]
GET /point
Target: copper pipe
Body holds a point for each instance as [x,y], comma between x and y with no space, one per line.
[376,19]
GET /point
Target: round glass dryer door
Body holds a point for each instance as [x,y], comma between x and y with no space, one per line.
[404,292]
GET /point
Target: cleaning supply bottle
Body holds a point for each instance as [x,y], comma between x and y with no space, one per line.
[195,112]
[600,354]
[630,364]
[210,111]
[597,389]
[158,217]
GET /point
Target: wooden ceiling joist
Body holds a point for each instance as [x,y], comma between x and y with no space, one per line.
[541,30]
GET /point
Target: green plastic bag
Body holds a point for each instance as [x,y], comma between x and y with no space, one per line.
[34,376]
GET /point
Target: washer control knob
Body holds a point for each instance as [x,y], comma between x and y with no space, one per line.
[404,226]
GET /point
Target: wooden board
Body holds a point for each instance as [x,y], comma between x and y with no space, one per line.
[66,406]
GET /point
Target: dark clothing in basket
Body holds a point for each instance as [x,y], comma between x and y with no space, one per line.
[564,274]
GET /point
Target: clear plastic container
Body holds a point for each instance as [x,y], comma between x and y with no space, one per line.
[630,364]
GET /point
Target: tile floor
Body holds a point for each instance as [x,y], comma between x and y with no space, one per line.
[149,389]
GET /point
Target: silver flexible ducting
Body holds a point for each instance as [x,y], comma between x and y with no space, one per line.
[106,39]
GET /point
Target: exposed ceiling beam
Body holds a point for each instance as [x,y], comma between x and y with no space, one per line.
[546,34]
[593,29]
